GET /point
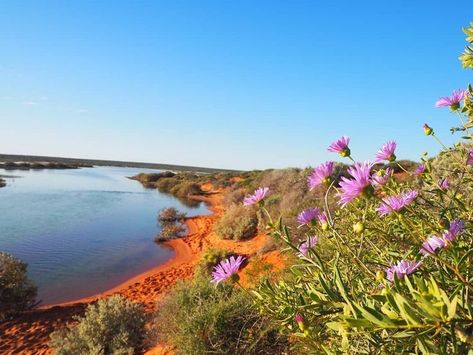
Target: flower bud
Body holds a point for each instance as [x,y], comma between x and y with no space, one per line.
[300,321]
[358,227]
[345,152]
[428,130]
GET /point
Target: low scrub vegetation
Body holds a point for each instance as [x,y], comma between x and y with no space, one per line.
[172,225]
[170,231]
[237,223]
[111,326]
[170,215]
[178,184]
[210,258]
[199,318]
[17,293]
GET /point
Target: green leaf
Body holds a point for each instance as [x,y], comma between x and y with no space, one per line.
[452,308]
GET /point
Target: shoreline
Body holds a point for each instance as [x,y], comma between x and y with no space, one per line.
[183,254]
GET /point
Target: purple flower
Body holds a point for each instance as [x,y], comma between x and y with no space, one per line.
[456,228]
[419,170]
[401,269]
[453,101]
[469,160]
[443,184]
[304,246]
[322,217]
[390,204]
[432,244]
[360,184]
[381,177]
[321,174]
[340,146]
[386,152]
[226,269]
[256,197]
[308,216]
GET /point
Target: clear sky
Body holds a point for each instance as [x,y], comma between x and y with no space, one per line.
[231,84]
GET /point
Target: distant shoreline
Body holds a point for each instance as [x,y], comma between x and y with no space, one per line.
[98,162]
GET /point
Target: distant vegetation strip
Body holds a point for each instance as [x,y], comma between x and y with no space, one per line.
[89,162]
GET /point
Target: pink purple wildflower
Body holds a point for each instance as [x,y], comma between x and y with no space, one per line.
[360,184]
[419,170]
[306,245]
[256,197]
[456,228]
[386,152]
[321,174]
[322,217]
[432,244]
[381,177]
[308,216]
[227,269]
[396,203]
[469,160]
[452,101]
[401,269]
[340,146]
[443,184]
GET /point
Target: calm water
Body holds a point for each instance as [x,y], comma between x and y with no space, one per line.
[82,231]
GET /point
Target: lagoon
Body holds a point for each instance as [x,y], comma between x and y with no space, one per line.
[83,231]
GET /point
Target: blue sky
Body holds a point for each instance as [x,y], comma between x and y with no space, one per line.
[231,84]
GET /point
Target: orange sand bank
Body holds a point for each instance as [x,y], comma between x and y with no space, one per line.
[29,334]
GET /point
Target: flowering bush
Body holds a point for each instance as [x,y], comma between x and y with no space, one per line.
[390,269]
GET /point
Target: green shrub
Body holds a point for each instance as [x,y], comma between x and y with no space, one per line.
[212,257]
[17,293]
[111,326]
[170,214]
[233,197]
[199,318]
[185,189]
[170,231]
[237,223]
[165,184]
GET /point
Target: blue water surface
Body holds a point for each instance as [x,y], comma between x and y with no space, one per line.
[82,231]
